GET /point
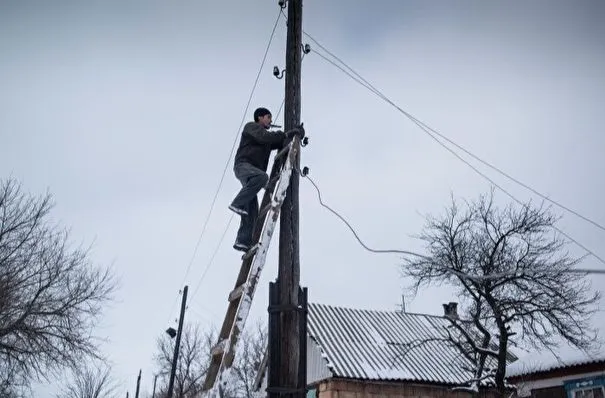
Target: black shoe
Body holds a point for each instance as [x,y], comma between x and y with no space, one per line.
[241,247]
[237,210]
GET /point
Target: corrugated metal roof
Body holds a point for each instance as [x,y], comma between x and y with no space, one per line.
[546,362]
[386,345]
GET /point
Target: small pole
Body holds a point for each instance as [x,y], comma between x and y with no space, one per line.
[136,394]
[178,343]
[155,379]
[274,342]
[302,364]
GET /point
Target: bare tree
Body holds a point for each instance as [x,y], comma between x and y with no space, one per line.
[51,296]
[90,381]
[248,360]
[510,270]
[13,384]
[192,364]
[194,360]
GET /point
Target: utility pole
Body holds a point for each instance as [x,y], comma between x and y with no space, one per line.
[136,394]
[288,276]
[177,343]
[155,379]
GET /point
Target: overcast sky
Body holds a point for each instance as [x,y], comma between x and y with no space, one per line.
[127,112]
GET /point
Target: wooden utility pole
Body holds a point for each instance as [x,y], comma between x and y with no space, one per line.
[288,276]
[177,343]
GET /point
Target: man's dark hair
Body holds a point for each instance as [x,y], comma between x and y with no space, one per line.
[260,112]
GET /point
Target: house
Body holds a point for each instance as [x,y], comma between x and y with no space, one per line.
[355,353]
[575,375]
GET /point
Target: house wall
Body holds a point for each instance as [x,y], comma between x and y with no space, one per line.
[591,386]
[317,365]
[525,388]
[363,389]
[549,392]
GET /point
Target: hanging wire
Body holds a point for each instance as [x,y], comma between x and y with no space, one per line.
[205,225]
[429,131]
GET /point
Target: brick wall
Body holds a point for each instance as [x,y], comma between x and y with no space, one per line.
[364,389]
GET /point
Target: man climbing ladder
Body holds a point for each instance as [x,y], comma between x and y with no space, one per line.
[250,168]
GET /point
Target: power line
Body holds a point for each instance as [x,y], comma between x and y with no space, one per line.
[213,256]
[417,121]
[428,130]
[494,276]
[205,225]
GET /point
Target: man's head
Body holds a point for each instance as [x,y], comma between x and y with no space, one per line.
[263,117]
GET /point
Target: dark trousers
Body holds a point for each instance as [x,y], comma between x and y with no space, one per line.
[252,180]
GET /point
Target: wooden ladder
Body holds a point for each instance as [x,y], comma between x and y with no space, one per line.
[253,261]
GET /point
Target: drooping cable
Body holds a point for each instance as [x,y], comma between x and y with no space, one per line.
[494,276]
[392,251]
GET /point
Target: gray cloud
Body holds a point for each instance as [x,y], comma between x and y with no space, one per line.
[128,113]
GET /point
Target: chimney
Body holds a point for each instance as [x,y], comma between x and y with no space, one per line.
[450,310]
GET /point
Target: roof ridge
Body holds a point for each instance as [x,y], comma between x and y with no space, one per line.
[373,310]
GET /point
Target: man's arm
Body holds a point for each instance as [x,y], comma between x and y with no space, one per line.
[258,133]
[300,131]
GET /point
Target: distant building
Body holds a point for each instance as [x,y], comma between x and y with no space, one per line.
[578,375]
[354,353]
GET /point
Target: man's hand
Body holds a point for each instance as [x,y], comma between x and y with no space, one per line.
[300,131]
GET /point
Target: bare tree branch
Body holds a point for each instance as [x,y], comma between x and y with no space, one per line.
[194,360]
[512,273]
[90,381]
[51,295]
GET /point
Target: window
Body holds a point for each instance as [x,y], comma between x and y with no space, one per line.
[591,392]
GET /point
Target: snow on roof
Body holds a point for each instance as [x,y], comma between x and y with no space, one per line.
[386,345]
[546,361]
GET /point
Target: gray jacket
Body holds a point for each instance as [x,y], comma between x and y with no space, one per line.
[256,144]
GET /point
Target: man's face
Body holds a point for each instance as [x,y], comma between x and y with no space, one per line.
[265,121]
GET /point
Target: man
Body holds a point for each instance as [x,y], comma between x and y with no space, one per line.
[250,166]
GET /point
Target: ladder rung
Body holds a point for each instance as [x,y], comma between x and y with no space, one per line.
[251,252]
[219,348]
[282,152]
[274,179]
[265,210]
[237,292]
[270,185]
